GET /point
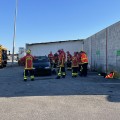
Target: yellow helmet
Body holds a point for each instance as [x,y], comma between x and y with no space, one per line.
[28,51]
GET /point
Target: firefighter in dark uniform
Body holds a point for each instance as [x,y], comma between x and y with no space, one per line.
[61,65]
[75,65]
[79,63]
[84,63]
[55,60]
[51,58]
[69,60]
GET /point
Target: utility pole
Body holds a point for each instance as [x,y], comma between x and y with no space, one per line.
[14,34]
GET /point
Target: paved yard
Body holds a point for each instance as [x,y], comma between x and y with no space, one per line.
[47,98]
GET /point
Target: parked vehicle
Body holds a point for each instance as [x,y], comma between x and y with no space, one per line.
[3,56]
[42,66]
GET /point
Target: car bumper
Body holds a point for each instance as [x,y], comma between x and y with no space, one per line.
[42,71]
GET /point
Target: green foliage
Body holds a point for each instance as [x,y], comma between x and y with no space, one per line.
[117,75]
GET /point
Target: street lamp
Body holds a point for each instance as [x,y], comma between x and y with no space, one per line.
[14,35]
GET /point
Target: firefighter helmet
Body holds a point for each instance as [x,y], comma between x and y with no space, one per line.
[28,51]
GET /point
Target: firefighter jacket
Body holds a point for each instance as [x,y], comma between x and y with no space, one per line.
[61,60]
[28,59]
[111,75]
[84,58]
[74,61]
[51,57]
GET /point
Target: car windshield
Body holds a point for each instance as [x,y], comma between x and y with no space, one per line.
[41,59]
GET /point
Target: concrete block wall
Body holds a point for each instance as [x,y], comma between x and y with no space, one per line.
[103,49]
[87,47]
[113,47]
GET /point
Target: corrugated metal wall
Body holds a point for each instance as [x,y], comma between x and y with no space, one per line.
[45,48]
[103,49]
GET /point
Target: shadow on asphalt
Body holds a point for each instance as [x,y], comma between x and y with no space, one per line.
[12,85]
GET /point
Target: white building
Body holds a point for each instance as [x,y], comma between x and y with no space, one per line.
[39,49]
[21,52]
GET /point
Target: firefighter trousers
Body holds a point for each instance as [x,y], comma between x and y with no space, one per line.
[74,71]
[29,72]
[68,64]
[84,69]
[61,71]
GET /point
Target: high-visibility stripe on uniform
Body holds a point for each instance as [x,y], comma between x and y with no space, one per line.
[32,77]
[84,58]
[26,65]
[59,72]
[25,77]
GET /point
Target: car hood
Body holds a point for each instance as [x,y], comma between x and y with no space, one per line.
[41,65]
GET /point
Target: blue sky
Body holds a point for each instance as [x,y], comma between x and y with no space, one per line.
[55,20]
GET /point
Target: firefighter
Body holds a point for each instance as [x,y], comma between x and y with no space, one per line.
[74,65]
[28,60]
[110,75]
[79,63]
[61,65]
[55,60]
[64,53]
[51,58]
[69,60]
[84,63]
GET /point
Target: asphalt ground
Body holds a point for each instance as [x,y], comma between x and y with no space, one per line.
[47,98]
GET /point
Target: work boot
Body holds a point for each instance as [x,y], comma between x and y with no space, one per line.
[25,80]
[58,77]
[32,79]
[63,76]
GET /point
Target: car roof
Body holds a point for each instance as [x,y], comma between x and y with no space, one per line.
[41,58]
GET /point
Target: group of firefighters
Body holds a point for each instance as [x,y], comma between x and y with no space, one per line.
[77,63]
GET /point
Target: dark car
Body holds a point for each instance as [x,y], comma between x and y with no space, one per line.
[42,66]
